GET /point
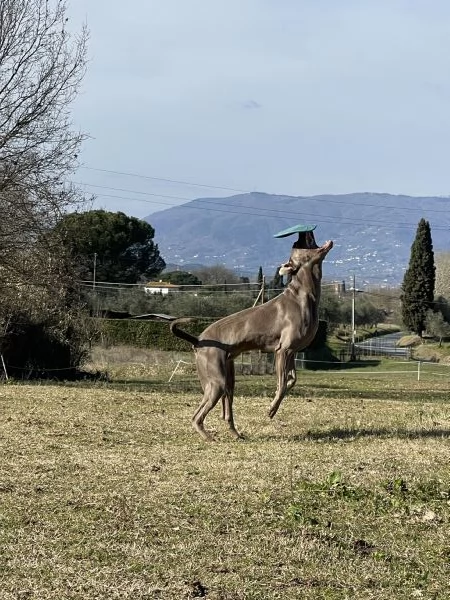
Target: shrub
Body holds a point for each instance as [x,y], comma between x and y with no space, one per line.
[44,348]
[157,334]
[145,334]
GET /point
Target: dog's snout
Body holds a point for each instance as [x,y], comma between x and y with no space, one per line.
[284,269]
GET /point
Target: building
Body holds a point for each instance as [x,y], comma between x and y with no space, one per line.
[160,287]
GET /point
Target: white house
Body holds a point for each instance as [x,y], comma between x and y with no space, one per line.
[160,287]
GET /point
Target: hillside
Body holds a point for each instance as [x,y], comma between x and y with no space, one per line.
[373,233]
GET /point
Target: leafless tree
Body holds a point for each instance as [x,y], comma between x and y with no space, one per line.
[215,274]
[41,67]
[442,286]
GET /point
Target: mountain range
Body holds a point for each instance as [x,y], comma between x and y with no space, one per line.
[372,232]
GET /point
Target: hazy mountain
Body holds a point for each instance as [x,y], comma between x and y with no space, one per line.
[373,233]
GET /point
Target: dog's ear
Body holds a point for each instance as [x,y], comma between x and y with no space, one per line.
[285,269]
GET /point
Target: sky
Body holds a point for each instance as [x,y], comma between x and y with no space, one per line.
[202,98]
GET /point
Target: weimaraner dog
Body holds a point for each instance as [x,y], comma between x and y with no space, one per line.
[284,325]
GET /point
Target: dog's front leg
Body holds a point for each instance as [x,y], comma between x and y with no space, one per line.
[283,365]
[291,374]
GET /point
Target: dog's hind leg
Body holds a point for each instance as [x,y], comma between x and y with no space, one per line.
[227,399]
[212,395]
[229,384]
[211,368]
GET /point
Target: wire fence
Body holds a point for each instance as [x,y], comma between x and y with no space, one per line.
[259,363]
[412,368]
[212,288]
[255,363]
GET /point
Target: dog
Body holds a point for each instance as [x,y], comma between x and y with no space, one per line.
[284,325]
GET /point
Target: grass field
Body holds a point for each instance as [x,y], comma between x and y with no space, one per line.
[106,492]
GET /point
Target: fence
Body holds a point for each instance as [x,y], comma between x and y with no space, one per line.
[362,350]
[258,363]
[418,369]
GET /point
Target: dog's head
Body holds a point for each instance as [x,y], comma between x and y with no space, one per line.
[301,257]
[306,239]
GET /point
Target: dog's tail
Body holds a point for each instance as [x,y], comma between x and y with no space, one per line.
[184,335]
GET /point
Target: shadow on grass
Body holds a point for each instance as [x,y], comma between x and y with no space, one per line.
[256,389]
[143,385]
[331,393]
[181,387]
[340,434]
[343,366]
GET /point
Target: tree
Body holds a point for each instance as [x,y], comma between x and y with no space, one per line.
[277,281]
[442,286]
[120,248]
[181,278]
[442,305]
[437,326]
[216,275]
[387,301]
[41,67]
[260,277]
[366,314]
[419,279]
[330,308]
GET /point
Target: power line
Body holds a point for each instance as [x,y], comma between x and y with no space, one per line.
[116,286]
[321,219]
[237,212]
[315,197]
[167,180]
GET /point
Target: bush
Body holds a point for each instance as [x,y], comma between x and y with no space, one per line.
[34,348]
[145,334]
[203,304]
[157,334]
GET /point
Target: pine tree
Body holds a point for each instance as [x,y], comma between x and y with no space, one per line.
[260,276]
[418,282]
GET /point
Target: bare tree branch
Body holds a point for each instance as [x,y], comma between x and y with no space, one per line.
[41,68]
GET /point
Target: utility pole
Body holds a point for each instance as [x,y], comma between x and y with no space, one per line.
[260,296]
[95,269]
[94,294]
[352,349]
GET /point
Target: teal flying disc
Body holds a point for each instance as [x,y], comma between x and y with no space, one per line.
[296,229]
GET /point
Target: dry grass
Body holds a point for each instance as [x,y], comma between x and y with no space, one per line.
[106,491]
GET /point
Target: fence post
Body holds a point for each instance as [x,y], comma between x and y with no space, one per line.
[418,371]
[175,370]
[4,368]
[301,356]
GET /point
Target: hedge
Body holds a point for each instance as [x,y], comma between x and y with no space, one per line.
[156,335]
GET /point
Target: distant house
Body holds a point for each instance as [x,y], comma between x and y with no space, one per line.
[339,287]
[160,287]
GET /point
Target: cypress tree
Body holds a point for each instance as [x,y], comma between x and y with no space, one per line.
[418,282]
[277,281]
[260,276]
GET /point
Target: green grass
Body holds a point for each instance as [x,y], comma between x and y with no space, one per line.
[106,491]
